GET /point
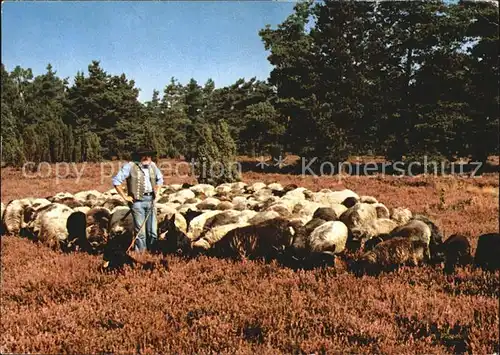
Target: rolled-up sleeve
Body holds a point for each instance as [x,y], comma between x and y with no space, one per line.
[159,176]
[124,173]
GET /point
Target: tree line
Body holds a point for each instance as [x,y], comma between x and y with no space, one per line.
[398,79]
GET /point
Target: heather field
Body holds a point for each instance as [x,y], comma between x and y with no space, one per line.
[57,303]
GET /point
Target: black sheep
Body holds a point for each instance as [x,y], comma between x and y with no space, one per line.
[488,252]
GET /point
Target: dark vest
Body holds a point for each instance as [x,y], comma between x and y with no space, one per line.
[136,181]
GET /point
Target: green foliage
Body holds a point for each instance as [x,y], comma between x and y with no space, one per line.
[206,156]
[226,153]
[389,77]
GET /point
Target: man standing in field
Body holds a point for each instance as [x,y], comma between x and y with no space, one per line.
[144,180]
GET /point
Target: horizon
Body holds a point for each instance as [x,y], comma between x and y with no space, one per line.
[149,42]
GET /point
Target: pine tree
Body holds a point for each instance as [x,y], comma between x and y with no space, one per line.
[207,166]
[227,153]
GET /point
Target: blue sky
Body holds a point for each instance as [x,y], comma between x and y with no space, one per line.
[148,41]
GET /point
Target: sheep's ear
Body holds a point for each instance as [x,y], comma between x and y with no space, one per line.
[104,222]
[172,218]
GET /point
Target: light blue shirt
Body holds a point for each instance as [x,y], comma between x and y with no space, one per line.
[124,173]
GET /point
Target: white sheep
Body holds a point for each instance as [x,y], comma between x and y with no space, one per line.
[368,199]
[401,215]
[329,238]
[53,230]
[181,196]
[333,197]
[275,186]
[359,215]
[205,189]
[14,215]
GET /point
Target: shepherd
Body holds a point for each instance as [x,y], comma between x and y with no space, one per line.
[144,180]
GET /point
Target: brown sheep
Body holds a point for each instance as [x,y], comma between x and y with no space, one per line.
[267,240]
[350,202]
[326,213]
[171,239]
[488,252]
[113,202]
[457,252]
[392,254]
[71,202]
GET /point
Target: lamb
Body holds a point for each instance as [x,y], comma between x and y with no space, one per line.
[457,252]
[392,254]
[488,251]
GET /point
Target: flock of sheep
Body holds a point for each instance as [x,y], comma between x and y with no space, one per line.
[293,225]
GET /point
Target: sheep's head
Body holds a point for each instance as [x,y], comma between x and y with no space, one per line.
[97,237]
[171,239]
